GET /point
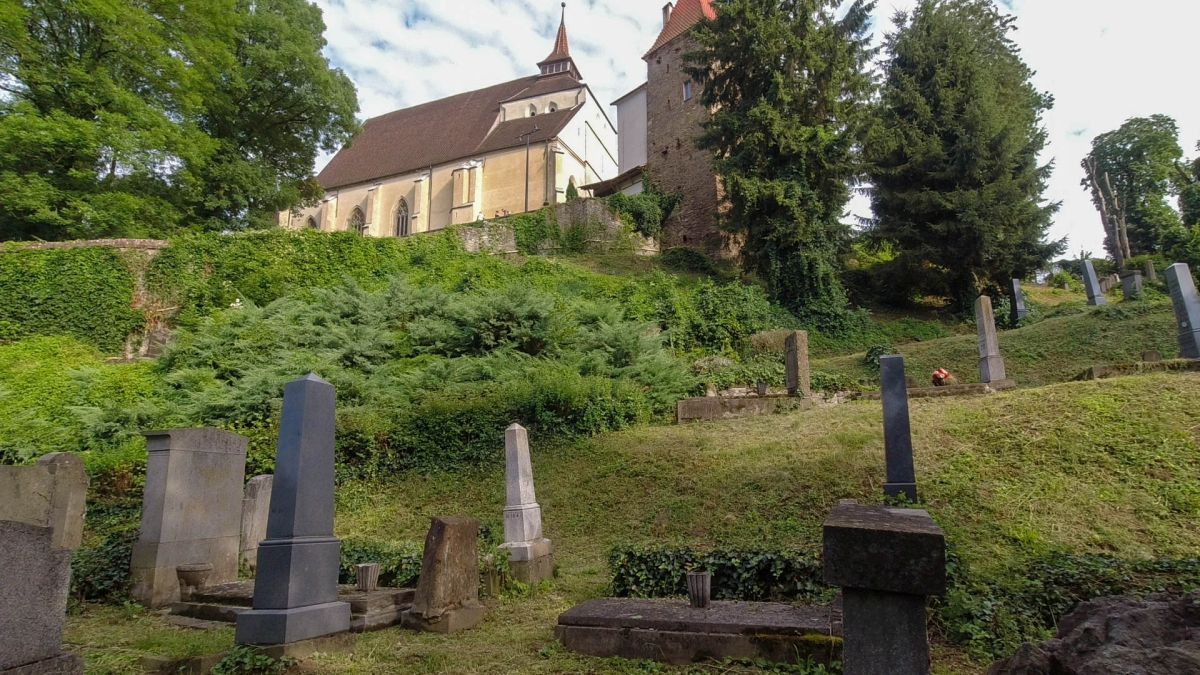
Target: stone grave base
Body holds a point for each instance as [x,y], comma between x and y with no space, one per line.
[533,571]
[63,664]
[372,610]
[977,389]
[453,621]
[1141,368]
[674,632]
[707,408]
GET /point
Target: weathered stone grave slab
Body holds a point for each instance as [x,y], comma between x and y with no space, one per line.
[672,631]
[991,364]
[1151,273]
[191,510]
[796,364]
[897,433]
[886,561]
[41,524]
[1131,285]
[530,555]
[447,597]
[709,408]
[295,589]
[1091,284]
[1187,309]
[256,508]
[1017,309]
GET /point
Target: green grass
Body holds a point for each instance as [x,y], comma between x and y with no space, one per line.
[1100,467]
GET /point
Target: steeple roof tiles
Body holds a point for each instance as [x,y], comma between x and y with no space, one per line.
[684,15]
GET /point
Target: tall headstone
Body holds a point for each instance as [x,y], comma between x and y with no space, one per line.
[1151,273]
[799,375]
[1017,310]
[256,508]
[991,364]
[1091,283]
[447,596]
[41,524]
[897,434]
[530,555]
[191,510]
[887,561]
[1187,309]
[295,588]
[1131,285]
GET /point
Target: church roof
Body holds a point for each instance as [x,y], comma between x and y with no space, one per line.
[546,84]
[562,50]
[684,15]
[442,131]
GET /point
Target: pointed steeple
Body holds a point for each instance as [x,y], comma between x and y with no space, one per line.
[560,60]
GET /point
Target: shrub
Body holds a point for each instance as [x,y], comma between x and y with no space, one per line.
[243,660]
[875,354]
[399,563]
[737,574]
[100,567]
[645,212]
[688,260]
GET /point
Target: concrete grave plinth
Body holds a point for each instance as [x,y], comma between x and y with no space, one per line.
[191,510]
[1187,309]
[991,364]
[447,597]
[1017,308]
[897,432]
[41,524]
[672,631]
[887,561]
[796,364]
[530,555]
[1091,283]
[1131,285]
[256,509]
[295,588]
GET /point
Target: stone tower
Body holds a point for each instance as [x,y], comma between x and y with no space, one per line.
[674,120]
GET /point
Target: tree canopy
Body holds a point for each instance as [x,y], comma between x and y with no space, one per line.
[139,117]
[957,187]
[788,81]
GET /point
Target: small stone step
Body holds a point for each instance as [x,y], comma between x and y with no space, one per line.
[207,611]
[199,624]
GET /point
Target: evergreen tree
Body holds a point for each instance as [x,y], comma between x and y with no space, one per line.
[788,83]
[954,157]
[1189,192]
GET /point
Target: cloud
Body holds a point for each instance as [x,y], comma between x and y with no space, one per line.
[1103,60]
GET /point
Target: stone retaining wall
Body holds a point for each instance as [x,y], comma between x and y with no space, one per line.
[1127,369]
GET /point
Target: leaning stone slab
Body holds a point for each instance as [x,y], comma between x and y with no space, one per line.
[1017,310]
[672,631]
[897,432]
[447,597]
[530,555]
[1187,309]
[991,364]
[191,510]
[799,373]
[256,508]
[1091,283]
[41,524]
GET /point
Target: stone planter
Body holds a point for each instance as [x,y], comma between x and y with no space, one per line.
[367,576]
[192,578]
[761,388]
[699,589]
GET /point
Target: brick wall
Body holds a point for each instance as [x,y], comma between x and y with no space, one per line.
[674,163]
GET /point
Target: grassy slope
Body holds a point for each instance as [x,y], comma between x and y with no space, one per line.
[1107,466]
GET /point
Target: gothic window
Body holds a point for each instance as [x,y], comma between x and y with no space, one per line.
[402,219]
[358,222]
[532,110]
[311,223]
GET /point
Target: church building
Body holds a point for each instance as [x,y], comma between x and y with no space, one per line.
[509,148]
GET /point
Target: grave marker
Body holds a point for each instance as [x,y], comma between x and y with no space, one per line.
[799,374]
[1131,285]
[1092,284]
[530,555]
[1017,310]
[1151,273]
[256,508]
[447,597]
[897,434]
[991,364]
[1187,309]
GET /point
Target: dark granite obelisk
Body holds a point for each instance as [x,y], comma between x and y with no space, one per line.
[1091,284]
[897,434]
[1017,309]
[295,587]
[1187,309]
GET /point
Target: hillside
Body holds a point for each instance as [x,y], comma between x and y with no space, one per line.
[1106,467]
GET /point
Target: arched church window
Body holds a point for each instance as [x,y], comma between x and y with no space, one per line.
[532,110]
[358,222]
[402,218]
[553,108]
[311,223]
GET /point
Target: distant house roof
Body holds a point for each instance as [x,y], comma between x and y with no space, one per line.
[684,15]
[631,93]
[442,131]
[612,186]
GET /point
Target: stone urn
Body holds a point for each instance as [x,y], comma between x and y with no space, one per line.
[367,576]
[699,589]
[761,387]
[192,578]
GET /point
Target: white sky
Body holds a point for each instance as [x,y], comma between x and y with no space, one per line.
[1104,61]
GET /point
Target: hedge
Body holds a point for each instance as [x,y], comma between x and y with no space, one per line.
[751,574]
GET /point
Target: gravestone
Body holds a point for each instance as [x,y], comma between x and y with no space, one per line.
[886,561]
[447,597]
[530,555]
[1187,309]
[191,510]
[1092,285]
[1151,273]
[799,375]
[991,364]
[1017,310]
[41,524]
[1131,285]
[256,507]
[295,588]
[1151,356]
[897,434]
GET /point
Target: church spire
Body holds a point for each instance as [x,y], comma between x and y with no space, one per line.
[560,60]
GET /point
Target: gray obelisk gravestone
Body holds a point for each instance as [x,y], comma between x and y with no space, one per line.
[1092,284]
[256,510]
[530,555]
[897,434]
[1131,285]
[799,374]
[1017,310]
[295,588]
[41,525]
[1187,309]
[991,364]
[1150,273]
[191,510]
[887,561]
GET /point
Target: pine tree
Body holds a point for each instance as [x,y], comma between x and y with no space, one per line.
[957,189]
[788,83]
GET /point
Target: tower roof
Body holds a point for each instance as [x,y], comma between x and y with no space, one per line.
[562,49]
[684,15]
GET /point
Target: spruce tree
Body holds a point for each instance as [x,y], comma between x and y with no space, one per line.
[788,82]
[957,188]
